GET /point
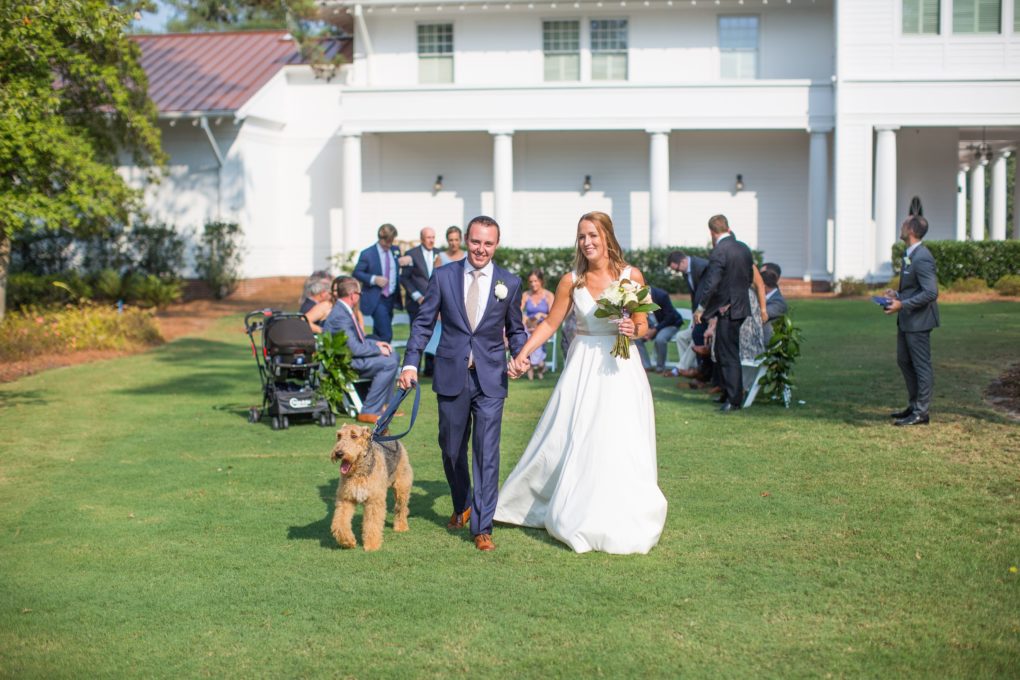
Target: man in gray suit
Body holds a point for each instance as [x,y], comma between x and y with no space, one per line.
[775,303]
[917,313]
[373,359]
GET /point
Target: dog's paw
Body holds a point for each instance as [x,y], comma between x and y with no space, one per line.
[400,526]
[372,547]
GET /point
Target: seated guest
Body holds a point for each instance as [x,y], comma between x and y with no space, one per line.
[667,323]
[373,359]
[535,306]
[775,303]
[305,302]
[318,303]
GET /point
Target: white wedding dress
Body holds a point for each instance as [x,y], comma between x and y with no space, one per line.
[589,475]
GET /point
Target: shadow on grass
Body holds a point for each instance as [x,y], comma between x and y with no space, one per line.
[423,497]
[12,398]
[203,369]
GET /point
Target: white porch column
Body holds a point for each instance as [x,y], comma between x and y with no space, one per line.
[818,209]
[503,182]
[658,187]
[977,202]
[1016,203]
[885,199]
[351,189]
[961,204]
[997,232]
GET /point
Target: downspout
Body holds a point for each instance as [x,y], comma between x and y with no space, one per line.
[361,30]
[204,122]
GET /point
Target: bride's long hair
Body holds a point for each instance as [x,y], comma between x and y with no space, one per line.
[604,225]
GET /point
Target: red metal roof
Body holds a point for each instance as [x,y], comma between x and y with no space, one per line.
[192,72]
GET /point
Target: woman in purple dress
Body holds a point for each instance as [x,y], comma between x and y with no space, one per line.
[535,306]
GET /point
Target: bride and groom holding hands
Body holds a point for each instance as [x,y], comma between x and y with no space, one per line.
[589,474]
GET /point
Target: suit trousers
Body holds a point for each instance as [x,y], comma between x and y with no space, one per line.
[382,319]
[382,371]
[727,353]
[457,416]
[913,354]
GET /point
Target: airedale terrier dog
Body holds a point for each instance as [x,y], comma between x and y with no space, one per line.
[367,469]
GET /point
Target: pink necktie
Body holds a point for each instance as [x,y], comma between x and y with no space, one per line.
[386,273]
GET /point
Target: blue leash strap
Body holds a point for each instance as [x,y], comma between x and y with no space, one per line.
[384,421]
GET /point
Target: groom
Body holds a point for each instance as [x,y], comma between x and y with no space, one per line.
[479,303]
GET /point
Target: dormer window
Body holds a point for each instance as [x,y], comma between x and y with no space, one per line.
[435,53]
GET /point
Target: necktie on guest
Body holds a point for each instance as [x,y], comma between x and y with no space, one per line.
[386,272]
[357,325]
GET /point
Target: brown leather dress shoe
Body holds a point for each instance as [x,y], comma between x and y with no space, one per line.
[459,520]
[368,418]
[484,543]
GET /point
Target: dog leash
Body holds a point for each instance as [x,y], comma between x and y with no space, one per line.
[384,421]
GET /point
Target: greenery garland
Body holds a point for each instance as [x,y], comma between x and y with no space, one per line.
[337,373]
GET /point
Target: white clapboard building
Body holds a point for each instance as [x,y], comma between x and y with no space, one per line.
[809,123]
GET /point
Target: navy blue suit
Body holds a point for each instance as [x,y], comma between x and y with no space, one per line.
[369,360]
[373,302]
[470,398]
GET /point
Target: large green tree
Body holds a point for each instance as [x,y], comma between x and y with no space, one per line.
[73,104]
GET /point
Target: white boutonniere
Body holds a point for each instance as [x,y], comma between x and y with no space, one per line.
[906,261]
[500,290]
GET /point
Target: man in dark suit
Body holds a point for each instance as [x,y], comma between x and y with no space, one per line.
[666,325]
[917,312]
[693,269]
[480,305]
[375,360]
[415,276]
[379,273]
[724,295]
[775,303]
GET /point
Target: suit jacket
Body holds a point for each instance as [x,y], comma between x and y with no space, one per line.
[697,267]
[919,290]
[666,315]
[340,319]
[445,295]
[776,305]
[370,265]
[415,277]
[727,280]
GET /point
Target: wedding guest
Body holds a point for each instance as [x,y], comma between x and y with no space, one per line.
[535,305]
[666,324]
[316,279]
[453,252]
[378,270]
[318,303]
[694,364]
[415,276]
[775,303]
[372,359]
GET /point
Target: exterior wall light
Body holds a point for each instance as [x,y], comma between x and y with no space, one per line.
[586,187]
[740,183]
[438,185]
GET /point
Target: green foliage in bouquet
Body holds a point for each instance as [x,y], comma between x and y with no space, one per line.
[779,357]
[335,357]
[621,299]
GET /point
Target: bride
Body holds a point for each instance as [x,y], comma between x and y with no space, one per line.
[589,474]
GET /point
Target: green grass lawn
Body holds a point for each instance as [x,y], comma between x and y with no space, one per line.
[146,529]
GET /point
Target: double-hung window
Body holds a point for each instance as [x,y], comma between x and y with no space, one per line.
[435,53]
[921,17]
[738,47]
[977,16]
[609,49]
[561,44]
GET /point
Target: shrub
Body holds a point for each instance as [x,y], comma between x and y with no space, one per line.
[969,285]
[108,285]
[218,257]
[988,260]
[779,357]
[27,290]
[851,287]
[32,331]
[152,291]
[157,250]
[1008,285]
[332,352]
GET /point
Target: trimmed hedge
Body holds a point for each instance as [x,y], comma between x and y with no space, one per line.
[555,262]
[955,260]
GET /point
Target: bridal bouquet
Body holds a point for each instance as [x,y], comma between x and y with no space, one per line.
[621,299]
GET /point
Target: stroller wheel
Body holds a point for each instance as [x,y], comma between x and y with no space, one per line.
[284,422]
[323,420]
[332,419]
[275,423]
[254,415]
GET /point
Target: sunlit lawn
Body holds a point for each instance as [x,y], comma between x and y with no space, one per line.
[146,529]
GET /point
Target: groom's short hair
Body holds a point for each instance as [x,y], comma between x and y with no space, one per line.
[485,221]
[718,224]
[917,225]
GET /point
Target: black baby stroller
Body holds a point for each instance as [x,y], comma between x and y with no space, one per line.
[290,376]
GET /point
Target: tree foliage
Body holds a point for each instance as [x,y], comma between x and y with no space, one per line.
[73,101]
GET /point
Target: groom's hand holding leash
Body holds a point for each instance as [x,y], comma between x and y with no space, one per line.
[408,377]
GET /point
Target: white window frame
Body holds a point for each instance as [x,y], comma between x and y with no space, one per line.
[998,18]
[733,50]
[920,33]
[595,53]
[546,54]
[437,58]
